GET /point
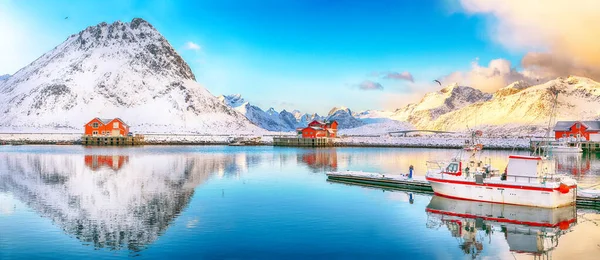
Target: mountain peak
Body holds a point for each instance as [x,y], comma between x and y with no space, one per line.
[449,87]
[234,100]
[341,108]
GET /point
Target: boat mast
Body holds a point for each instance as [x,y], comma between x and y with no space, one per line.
[551,122]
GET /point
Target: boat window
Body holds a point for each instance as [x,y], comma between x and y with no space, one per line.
[453,167]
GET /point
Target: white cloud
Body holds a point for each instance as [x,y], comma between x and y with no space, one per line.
[192,46]
[370,85]
[399,76]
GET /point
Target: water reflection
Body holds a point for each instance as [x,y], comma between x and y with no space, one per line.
[577,164]
[114,162]
[115,201]
[527,230]
[321,159]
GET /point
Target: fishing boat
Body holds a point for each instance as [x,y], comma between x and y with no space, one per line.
[474,144]
[563,147]
[527,180]
[527,230]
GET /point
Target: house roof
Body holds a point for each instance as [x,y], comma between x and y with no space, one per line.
[106,121]
[121,121]
[566,125]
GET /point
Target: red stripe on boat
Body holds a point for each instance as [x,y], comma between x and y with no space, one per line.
[494,185]
[524,157]
[501,220]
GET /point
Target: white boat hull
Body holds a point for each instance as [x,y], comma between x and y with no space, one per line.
[504,192]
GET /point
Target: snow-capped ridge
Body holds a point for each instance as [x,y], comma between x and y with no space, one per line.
[234,100]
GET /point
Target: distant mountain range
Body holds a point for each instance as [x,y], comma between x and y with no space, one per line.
[517,107]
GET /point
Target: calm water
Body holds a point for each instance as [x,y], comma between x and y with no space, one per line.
[159,202]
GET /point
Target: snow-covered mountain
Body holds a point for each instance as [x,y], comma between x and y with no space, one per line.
[4,77]
[525,108]
[344,117]
[435,104]
[125,70]
[307,118]
[270,120]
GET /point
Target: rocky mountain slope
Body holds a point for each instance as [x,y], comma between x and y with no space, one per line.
[435,104]
[344,117]
[125,70]
[524,107]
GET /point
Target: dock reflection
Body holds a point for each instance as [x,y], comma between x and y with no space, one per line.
[527,230]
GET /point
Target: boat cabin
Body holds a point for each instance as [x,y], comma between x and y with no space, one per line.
[454,168]
[523,168]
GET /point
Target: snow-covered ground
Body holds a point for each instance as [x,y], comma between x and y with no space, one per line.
[433,141]
[442,141]
[384,126]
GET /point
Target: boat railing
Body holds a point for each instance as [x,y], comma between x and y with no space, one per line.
[534,179]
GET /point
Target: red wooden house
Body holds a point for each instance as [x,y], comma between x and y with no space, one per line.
[318,129]
[106,127]
[588,130]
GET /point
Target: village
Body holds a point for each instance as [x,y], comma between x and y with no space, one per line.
[584,135]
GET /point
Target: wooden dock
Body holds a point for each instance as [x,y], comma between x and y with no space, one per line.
[112,140]
[419,184]
[304,142]
[588,146]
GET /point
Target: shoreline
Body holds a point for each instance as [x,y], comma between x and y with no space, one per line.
[433,141]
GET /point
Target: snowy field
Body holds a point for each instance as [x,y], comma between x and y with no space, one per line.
[441,141]
[433,141]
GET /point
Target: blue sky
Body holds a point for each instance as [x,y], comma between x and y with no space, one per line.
[296,54]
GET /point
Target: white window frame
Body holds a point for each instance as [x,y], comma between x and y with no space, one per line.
[116,125]
[95,125]
[94,132]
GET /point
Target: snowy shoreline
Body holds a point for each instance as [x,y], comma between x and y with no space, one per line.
[450,142]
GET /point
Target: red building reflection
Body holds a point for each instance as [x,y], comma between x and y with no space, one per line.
[320,159]
[115,162]
[573,164]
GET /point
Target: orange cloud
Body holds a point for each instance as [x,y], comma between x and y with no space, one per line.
[562,36]
[497,74]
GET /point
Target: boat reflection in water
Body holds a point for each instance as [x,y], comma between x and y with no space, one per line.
[527,230]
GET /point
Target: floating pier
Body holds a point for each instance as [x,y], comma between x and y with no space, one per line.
[112,140]
[305,142]
[585,198]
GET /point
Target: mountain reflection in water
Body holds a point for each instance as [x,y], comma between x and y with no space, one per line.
[115,201]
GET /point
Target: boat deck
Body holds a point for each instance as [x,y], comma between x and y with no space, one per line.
[585,197]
